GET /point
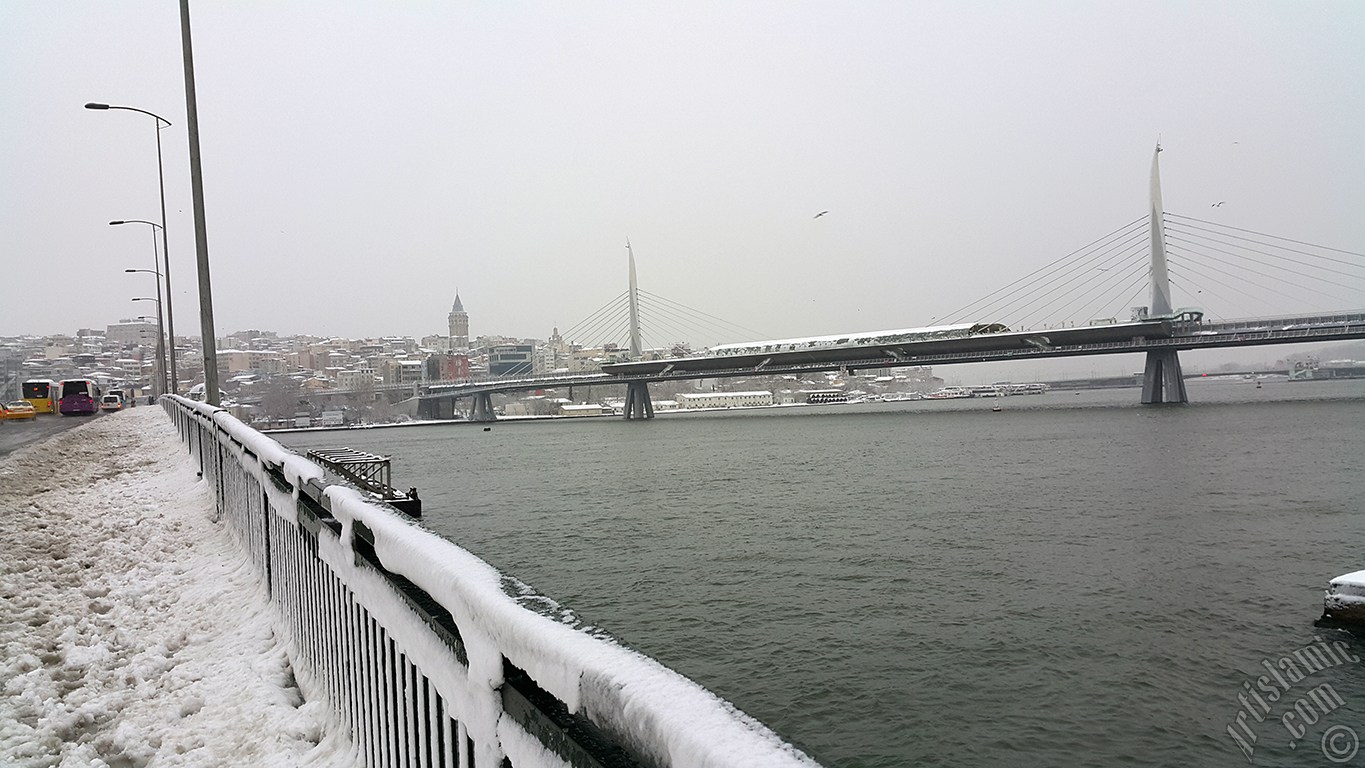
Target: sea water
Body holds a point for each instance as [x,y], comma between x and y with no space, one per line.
[1074,580]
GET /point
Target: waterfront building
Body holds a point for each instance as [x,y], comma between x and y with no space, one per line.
[725,399]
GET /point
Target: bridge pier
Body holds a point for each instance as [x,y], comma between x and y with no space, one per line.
[429,408]
[483,408]
[638,404]
[1162,381]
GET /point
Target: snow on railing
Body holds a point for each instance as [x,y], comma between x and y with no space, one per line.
[427,655]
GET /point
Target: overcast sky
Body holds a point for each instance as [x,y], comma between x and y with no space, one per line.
[363,160]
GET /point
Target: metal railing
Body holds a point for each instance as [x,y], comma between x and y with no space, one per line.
[429,657]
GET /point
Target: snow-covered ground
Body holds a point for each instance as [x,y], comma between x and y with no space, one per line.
[132,630]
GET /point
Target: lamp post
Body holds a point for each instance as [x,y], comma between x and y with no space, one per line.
[160,334]
[161,122]
[168,352]
[160,361]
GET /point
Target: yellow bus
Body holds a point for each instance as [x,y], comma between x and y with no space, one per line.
[41,394]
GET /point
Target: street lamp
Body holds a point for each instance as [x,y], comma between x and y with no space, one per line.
[161,122]
[160,334]
[160,360]
[168,352]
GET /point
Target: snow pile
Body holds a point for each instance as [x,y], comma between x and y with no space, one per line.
[132,631]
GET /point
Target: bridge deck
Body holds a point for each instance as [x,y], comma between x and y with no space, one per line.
[1020,345]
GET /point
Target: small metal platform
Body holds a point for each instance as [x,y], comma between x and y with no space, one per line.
[370,472]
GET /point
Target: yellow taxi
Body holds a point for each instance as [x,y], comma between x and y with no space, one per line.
[17,409]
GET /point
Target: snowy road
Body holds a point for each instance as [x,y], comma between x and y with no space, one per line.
[16,434]
[132,632]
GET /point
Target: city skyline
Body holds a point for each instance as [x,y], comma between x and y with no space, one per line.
[793,168]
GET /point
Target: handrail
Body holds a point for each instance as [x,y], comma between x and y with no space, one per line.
[427,655]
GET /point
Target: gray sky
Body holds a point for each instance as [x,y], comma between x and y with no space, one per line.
[363,160]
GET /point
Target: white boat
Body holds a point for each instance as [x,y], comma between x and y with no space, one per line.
[950,393]
[1345,598]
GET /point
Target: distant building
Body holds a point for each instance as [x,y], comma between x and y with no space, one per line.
[402,371]
[726,399]
[447,367]
[359,378]
[260,360]
[511,360]
[126,333]
[458,320]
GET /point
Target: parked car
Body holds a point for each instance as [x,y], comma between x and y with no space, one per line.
[111,403]
[19,409]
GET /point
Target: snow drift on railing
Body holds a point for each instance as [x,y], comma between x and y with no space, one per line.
[664,716]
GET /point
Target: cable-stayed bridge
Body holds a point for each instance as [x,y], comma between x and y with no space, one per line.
[1205,284]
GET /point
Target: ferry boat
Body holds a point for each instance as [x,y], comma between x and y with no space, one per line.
[950,393]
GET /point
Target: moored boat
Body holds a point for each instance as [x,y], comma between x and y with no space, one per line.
[1345,598]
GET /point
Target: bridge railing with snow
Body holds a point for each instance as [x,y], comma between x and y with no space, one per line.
[430,657]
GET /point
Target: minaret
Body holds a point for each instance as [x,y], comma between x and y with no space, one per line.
[459,326]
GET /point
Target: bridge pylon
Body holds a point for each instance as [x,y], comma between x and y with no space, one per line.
[483,408]
[636,346]
[638,404]
[1162,380]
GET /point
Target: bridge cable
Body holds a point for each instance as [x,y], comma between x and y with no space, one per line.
[601,330]
[681,329]
[1271,255]
[1243,267]
[1277,237]
[723,322]
[1080,271]
[1061,308]
[1232,304]
[969,307]
[652,320]
[1086,272]
[607,308]
[1225,273]
[1068,265]
[1123,284]
[1200,289]
[661,311]
[685,323]
[1115,285]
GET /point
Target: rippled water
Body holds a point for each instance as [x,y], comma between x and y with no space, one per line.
[1076,580]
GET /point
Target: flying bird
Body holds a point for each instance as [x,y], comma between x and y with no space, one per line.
[821,213]
[1218,204]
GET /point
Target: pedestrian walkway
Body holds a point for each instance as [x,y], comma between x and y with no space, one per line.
[132,631]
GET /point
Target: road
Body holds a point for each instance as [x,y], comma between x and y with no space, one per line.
[16,434]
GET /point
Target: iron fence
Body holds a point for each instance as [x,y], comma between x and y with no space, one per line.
[427,656]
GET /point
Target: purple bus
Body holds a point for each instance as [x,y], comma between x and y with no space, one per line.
[78,396]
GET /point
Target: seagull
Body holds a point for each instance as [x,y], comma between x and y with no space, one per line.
[1218,204]
[821,213]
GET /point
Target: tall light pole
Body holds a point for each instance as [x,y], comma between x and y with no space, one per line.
[161,122]
[201,237]
[160,360]
[169,350]
[160,334]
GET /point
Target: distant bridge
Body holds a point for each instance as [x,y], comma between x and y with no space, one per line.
[1153,336]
